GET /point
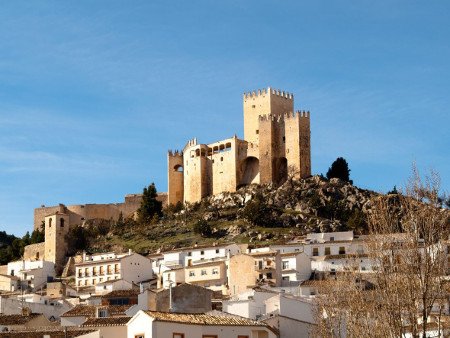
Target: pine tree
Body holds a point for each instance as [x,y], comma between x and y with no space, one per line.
[150,207]
[339,169]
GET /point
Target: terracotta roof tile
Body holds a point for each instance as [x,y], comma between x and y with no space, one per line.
[106,321]
[90,310]
[71,333]
[17,319]
[201,319]
[122,293]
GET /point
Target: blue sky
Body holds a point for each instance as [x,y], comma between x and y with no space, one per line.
[94,93]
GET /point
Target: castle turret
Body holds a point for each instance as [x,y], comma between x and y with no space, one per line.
[175,176]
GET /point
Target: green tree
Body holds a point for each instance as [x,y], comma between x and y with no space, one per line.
[339,169]
[150,206]
[203,228]
[393,191]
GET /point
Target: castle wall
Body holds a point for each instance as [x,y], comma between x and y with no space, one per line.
[223,165]
[79,213]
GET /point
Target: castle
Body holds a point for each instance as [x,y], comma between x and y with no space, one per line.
[276,142]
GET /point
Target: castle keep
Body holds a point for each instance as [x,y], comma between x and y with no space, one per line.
[276,140]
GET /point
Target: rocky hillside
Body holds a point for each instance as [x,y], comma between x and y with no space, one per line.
[258,214]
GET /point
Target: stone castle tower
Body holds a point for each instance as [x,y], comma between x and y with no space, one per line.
[56,228]
[276,141]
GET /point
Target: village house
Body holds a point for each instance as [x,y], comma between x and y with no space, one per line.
[9,283]
[98,268]
[249,270]
[184,298]
[152,324]
[32,275]
[212,275]
[80,313]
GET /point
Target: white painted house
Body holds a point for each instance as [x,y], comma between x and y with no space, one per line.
[130,267]
[149,324]
[32,274]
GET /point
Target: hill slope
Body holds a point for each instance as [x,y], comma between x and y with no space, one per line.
[254,214]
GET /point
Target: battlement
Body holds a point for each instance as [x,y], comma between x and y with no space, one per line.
[190,143]
[303,113]
[175,153]
[286,116]
[269,90]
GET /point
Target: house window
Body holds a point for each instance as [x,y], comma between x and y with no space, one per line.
[257,131]
[217,250]
[285,265]
[50,223]
[215,271]
[189,254]
[202,252]
[269,275]
[203,273]
[341,250]
[139,335]
[327,250]
[191,273]
[61,222]
[315,251]
[178,335]
[331,239]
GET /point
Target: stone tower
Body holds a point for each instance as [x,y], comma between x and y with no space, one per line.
[175,176]
[56,228]
[263,102]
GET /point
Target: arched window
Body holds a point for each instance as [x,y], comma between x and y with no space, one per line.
[178,168]
[50,222]
[61,222]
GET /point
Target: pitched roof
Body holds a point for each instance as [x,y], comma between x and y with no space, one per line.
[106,321]
[71,333]
[122,293]
[201,319]
[90,310]
[17,319]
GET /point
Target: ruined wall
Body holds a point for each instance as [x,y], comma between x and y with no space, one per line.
[34,252]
